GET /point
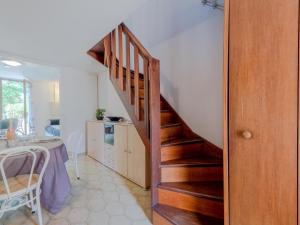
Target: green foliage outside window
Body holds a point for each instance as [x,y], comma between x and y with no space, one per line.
[12,99]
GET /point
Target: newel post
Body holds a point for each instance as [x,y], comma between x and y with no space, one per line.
[154,94]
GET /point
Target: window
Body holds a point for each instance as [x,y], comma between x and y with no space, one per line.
[15,101]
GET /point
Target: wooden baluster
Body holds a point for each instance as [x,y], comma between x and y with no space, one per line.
[128,70]
[121,77]
[107,51]
[136,83]
[146,94]
[114,55]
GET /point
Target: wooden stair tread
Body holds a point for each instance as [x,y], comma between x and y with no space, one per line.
[213,190]
[180,141]
[183,217]
[198,161]
[175,124]
[141,87]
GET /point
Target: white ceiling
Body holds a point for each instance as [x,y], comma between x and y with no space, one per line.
[28,71]
[59,32]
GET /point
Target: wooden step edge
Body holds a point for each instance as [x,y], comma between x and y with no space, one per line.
[141,88]
[157,219]
[187,163]
[178,216]
[198,194]
[165,111]
[181,141]
[168,125]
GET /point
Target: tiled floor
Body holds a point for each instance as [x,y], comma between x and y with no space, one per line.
[100,197]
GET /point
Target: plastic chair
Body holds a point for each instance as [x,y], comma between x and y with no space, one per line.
[24,189]
[73,145]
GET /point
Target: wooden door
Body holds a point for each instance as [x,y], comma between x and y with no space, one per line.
[121,149]
[263,83]
[136,157]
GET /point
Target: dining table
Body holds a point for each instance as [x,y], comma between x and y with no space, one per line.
[55,186]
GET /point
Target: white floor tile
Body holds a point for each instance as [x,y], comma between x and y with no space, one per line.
[100,197]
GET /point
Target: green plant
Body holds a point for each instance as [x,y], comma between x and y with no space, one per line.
[100,112]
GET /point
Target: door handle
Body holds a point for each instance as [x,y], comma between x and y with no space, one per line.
[246,134]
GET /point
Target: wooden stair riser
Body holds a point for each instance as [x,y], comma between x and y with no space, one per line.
[159,220]
[181,151]
[163,105]
[141,83]
[142,102]
[195,204]
[167,133]
[177,216]
[141,88]
[189,174]
[209,190]
[167,117]
[141,92]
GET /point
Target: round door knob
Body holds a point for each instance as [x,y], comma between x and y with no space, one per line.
[247,134]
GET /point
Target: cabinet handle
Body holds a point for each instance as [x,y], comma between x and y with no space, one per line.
[247,134]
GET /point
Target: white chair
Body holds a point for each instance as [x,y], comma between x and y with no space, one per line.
[73,145]
[24,189]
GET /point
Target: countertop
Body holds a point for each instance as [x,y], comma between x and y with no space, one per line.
[123,123]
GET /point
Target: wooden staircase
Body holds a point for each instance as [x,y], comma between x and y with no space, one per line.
[187,170]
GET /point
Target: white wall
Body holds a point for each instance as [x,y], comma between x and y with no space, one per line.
[42,95]
[78,101]
[109,99]
[188,39]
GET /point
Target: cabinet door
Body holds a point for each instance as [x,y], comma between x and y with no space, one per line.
[108,156]
[99,132]
[136,157]
[263,80]
[91,139]
[120,149]
[95,142]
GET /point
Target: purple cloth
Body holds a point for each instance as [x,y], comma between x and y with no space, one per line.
[56,184]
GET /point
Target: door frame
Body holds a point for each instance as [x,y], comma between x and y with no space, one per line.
[225,112]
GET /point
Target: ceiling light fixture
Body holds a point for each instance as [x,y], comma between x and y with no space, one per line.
[11,63]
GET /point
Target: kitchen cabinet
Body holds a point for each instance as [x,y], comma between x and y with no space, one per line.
[95,142]
[137,160]
[121,150]
[127,155]
[130,155]
[109,157]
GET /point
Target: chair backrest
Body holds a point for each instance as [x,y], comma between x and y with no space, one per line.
[32,155]
[4,124]
[74,141]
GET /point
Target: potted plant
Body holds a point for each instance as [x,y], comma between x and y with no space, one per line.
[100,114]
